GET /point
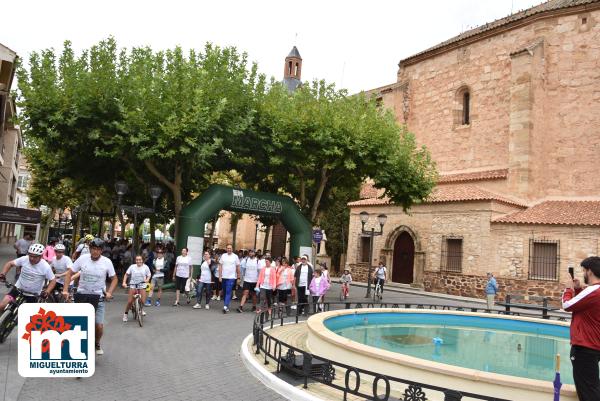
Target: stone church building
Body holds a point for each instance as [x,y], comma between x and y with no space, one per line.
[510,112]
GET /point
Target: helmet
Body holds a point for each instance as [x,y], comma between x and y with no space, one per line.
[96,243]
[59,247]
[36,249]
[89,237]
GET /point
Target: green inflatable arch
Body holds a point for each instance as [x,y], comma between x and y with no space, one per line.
[194,216]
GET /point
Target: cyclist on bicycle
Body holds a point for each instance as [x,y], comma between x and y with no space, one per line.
[380,275]
[94,269]
[346,279]
[139,276]
[84,247]
[34,273]
[59,265]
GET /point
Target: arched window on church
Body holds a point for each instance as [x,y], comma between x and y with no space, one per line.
[466,108]
[462,107]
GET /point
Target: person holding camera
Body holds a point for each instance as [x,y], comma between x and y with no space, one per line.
[584,304]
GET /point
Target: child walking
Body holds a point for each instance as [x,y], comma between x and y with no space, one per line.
[318,288]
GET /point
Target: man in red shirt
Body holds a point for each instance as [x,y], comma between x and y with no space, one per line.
[584,303]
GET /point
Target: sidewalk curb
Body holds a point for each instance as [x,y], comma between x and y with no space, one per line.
[424,293]
[271,381]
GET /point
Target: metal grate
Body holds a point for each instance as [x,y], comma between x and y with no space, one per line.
[544,259]
[451,260]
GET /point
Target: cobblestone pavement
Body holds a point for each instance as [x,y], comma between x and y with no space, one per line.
[180,354]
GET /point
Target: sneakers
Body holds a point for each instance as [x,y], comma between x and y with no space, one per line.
[143,313]
[225,309]
[234,297]
[125,318]
[293,307]
[189,299]
[219,298]
[213,298]
[240,310]
[157,303]
[148,302]
[206,306]
[197,306]
[176,304]
[99,350]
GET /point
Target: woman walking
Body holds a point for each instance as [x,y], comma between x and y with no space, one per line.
[182,271]
[204,282]
[285,282]
[267,281]
[318,288]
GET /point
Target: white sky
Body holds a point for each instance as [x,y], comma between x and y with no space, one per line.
[355,44]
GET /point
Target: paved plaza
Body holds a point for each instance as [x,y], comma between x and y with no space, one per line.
[180,354]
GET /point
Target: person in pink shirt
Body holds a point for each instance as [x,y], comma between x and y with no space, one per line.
[285,282]
[267,282]
[49,253]
[318,288]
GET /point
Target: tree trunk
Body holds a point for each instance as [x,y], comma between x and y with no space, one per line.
[316,202]
[266,241]
[234,231]
[122,222]
[174,186]
[152,230]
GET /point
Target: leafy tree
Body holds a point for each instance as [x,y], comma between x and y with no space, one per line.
[318,139]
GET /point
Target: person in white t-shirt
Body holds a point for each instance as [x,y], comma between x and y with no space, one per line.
[251,271]
[95,269]
[60,264]
[181,273]
[229,273]
[84,247]
[204,281]
[139,276]
[34,273]
[21,246]
[158,278]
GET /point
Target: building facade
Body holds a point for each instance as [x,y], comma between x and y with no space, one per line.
[510,112]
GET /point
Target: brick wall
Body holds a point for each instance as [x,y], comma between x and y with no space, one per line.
[474,286]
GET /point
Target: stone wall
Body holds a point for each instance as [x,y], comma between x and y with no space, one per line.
[535,106]
[474,286]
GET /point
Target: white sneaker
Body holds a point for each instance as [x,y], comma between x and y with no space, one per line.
[234,297]
[99,351]
[143,313]
[206,307]
[197,306]
[293,306]
[125,318]
[219,298]
[214,298]
[274,303]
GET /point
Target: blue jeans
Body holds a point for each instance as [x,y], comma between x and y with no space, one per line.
[200,286]
[228,284]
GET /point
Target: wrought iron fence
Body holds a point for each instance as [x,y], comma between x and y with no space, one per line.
[356,381]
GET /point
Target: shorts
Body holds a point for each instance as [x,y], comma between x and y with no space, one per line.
[248,285]
[92,299]
[14,293]
[282,295]
[180,283]
[158,282]
[100,312]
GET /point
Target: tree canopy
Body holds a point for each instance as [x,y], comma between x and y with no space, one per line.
[175,119]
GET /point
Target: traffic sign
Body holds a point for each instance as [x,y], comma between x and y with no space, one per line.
[317,236]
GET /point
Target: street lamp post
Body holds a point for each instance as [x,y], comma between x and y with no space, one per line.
[364,218]
[121,188]
[255,236]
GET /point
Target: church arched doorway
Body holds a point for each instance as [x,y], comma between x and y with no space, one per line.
[404,259]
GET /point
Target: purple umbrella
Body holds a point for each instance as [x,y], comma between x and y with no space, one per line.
[557,383]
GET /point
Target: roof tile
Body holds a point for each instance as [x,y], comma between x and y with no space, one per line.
[557,212]
[475,176]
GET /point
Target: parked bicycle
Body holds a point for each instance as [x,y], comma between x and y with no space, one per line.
[8,319]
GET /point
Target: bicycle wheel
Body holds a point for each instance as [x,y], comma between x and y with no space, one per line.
[375,293]
[6,324]
[134,309]
[140,315]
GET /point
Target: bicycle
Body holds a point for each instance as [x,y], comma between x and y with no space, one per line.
[377,293]
[137,305]
[8,319]
[344,291]
[57,296]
